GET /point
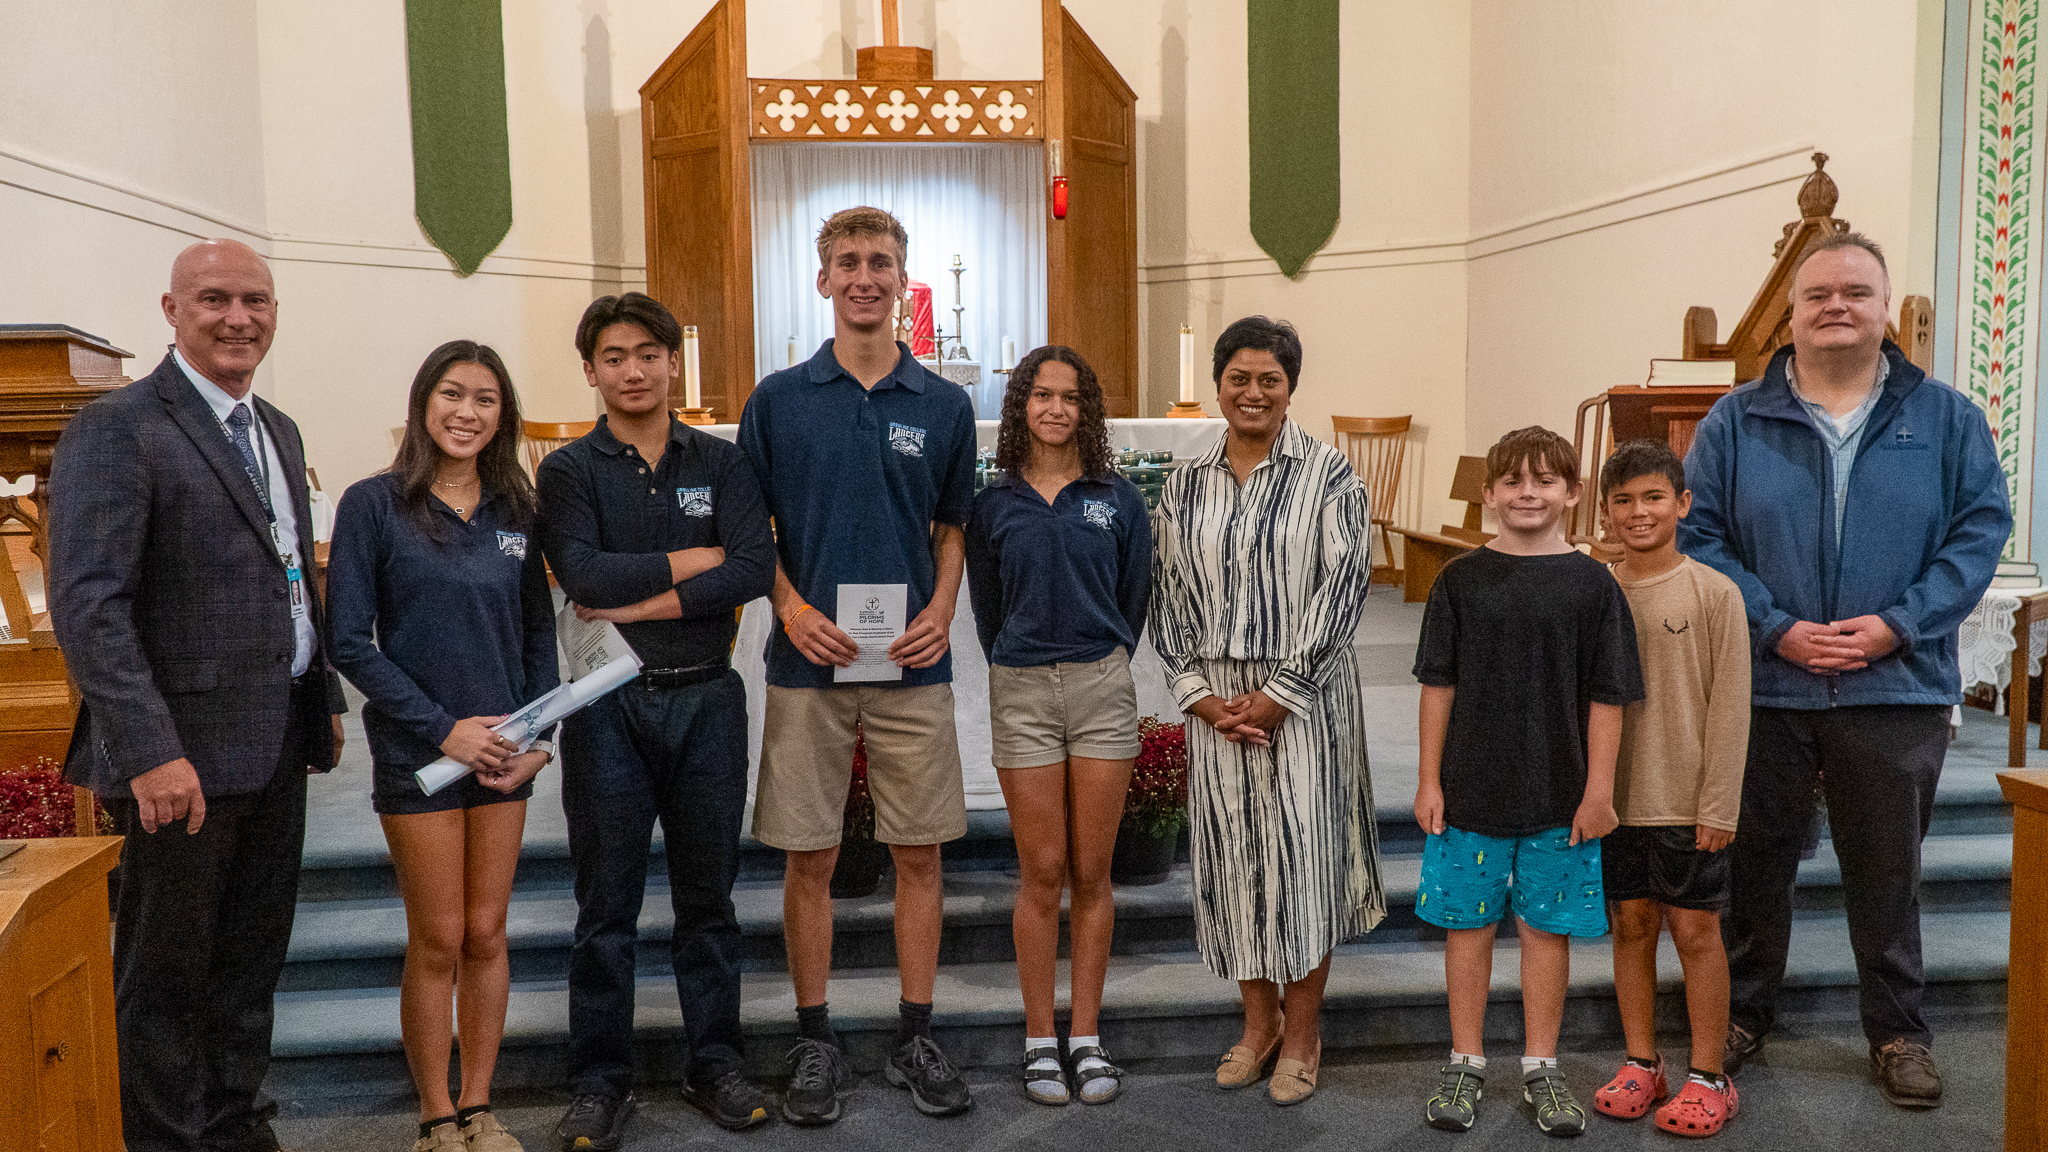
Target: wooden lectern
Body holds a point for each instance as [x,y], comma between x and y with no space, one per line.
[2026,981]
[57,1048]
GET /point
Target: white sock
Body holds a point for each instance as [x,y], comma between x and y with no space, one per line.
[1043,1063]
[1458,1057]
[1532,1063]
[1074,1042]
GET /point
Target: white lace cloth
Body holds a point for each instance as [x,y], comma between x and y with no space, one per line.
[1985,645]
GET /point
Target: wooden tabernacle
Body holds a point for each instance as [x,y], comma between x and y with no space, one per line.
[701,113]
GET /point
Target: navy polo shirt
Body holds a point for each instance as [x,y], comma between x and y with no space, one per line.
[609,521]
[855,478]
[435,632]
[1059,583]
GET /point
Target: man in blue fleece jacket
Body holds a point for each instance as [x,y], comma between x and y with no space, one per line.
[1860,506]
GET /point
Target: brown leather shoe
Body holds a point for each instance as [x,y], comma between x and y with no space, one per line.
[1906,1073]
[1739,1048]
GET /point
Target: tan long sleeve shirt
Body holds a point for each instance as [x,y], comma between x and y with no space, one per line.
[1683,746]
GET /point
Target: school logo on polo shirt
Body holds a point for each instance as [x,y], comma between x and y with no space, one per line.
[905,439]
[694,501]
[1099,513]
[512,544]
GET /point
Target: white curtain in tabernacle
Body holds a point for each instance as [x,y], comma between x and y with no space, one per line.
[982,202]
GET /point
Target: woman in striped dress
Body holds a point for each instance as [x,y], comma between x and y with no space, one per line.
[1262,565]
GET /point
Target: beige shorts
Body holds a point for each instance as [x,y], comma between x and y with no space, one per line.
[807,763]
[1042,715]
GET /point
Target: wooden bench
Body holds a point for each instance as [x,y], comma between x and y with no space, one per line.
[1424,554]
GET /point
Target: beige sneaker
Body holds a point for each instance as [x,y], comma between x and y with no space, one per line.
[483,1133]
[440,1138]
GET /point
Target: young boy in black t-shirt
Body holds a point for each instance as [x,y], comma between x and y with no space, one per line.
[1528,654]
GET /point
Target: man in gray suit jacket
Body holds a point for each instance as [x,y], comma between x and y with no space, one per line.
[180,544]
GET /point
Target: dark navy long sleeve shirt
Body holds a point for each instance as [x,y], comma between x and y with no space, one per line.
[608,523]
[434,632]
[1065,582]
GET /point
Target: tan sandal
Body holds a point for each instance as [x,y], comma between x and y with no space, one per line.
[1241,1067]
[1294,1081]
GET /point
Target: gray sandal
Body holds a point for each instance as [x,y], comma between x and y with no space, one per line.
[1083,1077]
[1045,1085]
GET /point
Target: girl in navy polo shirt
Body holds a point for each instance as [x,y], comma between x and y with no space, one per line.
[434,559]
[1059,567]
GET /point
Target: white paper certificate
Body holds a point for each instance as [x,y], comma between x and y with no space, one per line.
[872,615]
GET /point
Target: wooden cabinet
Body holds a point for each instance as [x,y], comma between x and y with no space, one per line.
[57,1048]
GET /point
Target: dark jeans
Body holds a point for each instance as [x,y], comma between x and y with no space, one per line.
[634,757]
[201,923]
[1878,766]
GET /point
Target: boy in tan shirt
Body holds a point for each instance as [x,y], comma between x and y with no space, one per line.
[1677,789]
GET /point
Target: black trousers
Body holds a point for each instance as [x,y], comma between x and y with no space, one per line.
[201,923]
[1877,767]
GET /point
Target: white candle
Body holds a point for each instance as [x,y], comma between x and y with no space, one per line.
[1187,365]
[792,353]
[879,25]
[1009,352]
[692,396]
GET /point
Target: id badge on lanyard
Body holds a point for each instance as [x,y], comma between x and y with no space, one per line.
[292,574]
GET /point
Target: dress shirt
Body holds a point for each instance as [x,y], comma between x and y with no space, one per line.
[287,522]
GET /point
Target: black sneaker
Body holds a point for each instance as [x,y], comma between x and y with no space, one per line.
[731,1101]
[935,1087]
[1738,1049]
[594,1122]
[817,1071]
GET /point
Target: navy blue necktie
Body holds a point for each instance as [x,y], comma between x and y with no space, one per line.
[238,434]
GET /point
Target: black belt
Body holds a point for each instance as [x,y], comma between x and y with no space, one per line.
[660,679]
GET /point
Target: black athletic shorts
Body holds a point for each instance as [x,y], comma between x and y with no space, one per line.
[1659,862]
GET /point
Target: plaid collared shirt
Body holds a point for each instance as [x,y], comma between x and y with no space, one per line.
[1841,435]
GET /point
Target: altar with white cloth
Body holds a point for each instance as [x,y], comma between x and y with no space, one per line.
[1184,438]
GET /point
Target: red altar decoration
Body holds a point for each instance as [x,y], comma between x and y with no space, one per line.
[922,345]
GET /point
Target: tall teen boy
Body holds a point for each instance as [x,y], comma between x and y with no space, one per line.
[1526,660]
[660,528]
[867,462]
[1677,789]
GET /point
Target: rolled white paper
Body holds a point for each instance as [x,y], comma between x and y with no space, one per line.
[693,396]
[1187,365]
[1009,352]
[526,725]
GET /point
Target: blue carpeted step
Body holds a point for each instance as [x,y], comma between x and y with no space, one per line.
[361,943]
[1380,994]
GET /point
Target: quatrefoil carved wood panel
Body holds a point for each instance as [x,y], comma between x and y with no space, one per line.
[945,110]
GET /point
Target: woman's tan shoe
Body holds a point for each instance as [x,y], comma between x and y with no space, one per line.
[1242,1067]
[1294,1081]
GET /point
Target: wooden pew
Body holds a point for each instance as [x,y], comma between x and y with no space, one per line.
[1424,554]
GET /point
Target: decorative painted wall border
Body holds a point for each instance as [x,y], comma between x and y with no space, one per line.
[926,111]
[1997,337]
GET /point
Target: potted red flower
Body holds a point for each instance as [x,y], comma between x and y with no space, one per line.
[858,871]
[1155,809]
[35,802]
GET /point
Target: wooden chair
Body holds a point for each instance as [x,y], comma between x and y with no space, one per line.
[1377,446]
[1425,553]
[538,438]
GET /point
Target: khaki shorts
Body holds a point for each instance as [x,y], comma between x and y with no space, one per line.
[1042,715]
[807,763]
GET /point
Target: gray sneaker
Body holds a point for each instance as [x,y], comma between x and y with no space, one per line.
[1456,1103]
[1557,1111]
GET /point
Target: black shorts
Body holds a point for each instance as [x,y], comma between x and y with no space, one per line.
[394,792]
[1659,862]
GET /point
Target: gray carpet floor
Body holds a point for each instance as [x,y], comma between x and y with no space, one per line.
[1812,1091]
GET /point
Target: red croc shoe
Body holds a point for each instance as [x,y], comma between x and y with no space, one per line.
[1632,1091]
[1698,1110]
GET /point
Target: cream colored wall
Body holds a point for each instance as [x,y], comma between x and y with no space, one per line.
[1381,308]
[1519,226]
[1607,199]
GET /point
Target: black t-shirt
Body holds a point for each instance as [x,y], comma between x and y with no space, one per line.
[1529,642]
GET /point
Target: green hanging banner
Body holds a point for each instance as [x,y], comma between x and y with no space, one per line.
[461,149]
[1292,73]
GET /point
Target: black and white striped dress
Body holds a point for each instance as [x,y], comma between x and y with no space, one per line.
[1261,588]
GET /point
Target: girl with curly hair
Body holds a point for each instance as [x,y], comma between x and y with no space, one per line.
[1059,569]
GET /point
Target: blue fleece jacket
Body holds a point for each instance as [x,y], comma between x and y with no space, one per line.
[1923,526]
